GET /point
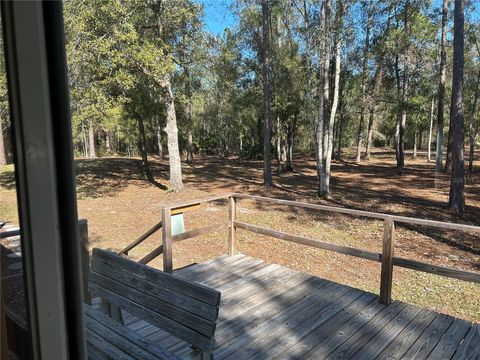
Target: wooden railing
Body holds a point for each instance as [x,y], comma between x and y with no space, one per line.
[386,257]
[178,207]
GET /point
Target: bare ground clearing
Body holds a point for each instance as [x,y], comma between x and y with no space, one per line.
[120,205]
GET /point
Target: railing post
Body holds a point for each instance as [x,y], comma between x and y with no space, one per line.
[167,239]
[232,212]
[387,261]
[85,258]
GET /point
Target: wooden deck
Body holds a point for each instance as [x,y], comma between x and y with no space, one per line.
[268,311]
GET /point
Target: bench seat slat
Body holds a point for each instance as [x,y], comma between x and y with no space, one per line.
[99,344]
[123,338]
[141,312]
[160,308]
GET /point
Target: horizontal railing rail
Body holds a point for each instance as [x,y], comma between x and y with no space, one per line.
[176,238]
[364,254]
[386,257]
[175,208]
[141,239]
[362,213]
[9,233]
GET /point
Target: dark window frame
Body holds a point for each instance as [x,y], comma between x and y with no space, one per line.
[41,129]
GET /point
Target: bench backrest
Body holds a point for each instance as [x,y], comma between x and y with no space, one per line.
[185,309]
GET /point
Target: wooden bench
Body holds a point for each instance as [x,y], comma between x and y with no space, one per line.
[185,309]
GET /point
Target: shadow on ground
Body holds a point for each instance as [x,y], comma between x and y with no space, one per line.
[98,178]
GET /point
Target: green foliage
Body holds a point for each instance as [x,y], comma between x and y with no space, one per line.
[119,53]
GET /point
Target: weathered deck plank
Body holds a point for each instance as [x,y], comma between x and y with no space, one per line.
[350,347]
[400,345]
[429,339]
[269,311]
[448,344]
[323,348]
[470,347]
[375,345]
[323,323]
[264,338]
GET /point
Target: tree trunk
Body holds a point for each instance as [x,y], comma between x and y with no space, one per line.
[3,153]
[240,151]
[142,147]
[415,144]
[108,146]
[172,134]
[369,133]
[399,109]
[188,112]
[441,90]
[473,129]
[91,141]
[364,83]
[290,140]
[322,127]
[340,125]
[159,142]
[429,152]
[189,147]
[267,116]
[448,159]
[289,164]
[377,81]
[403,124]
[279,148]
[279,132]
[457,197]
[403,99]
[312,119]
[85,142]
[336,91]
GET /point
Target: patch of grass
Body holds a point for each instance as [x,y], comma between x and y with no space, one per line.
[455,297]
[8,197]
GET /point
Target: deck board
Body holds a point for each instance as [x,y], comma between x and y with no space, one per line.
[322,349]
[405,339]
[268,311]
[430,337]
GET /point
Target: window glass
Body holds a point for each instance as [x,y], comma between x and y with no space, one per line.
[15,338]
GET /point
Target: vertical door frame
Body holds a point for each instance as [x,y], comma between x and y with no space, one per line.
[41,131]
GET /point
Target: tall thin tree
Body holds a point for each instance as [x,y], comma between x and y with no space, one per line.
[366,53]
[321,128]
[91,140]
[472,127]
[3,154]
[456,200]
[267,115]
[429,147]
[441,89]
[339,10]
[172,136]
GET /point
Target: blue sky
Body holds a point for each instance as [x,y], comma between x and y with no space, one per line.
[218,16]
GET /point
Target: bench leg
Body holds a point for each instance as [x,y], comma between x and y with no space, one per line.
[116,313]
[111,310]
[206,356]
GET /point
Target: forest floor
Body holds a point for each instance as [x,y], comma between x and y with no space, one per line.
[120,205]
